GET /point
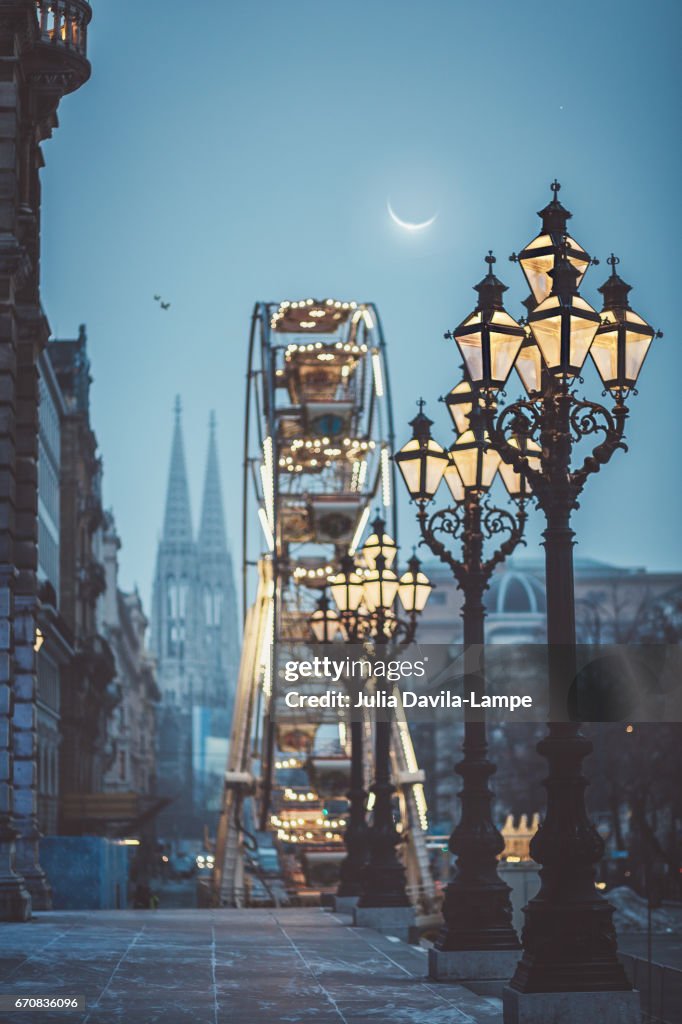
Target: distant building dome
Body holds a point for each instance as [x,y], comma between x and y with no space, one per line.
[516,593]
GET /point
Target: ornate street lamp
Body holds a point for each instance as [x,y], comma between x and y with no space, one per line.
[380,881]
[379,543]
[622,342]
[329,626]
[325,622]
[569,941]
[422,461]
[414,588]
[489,339]
[537,259]
[346,587]
[476,910]
[564,324]
[475,460]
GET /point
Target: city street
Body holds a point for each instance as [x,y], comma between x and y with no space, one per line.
[241,967]
[340,548]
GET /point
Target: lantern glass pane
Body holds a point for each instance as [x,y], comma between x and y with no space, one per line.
[407,591]
[547,331]
[409,460]
[436,464]
[636,348]
[422,591]
[529,368]
[490,465]
[582,336]
[512,480]
[503,351]
[380,588]
[578,257]
[517,485]
[604,352]
[373,548]
[371,590]
[454,482]
[465,456]
[325,625]
[470,345]
[346,591]
[537,265]
[460,410]
[414,591]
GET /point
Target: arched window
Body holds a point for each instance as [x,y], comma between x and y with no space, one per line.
[518,597]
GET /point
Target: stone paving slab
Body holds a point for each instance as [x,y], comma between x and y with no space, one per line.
[226,967]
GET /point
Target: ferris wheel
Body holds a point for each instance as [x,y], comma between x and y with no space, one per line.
[318,442]
[317,447]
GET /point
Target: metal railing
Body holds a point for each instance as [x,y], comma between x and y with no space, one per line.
[64,23]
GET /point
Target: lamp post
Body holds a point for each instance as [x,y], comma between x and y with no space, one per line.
[366,600]
[569,943]
[476,910]
[346,588]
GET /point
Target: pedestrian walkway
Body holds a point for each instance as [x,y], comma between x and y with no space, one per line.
[226,967]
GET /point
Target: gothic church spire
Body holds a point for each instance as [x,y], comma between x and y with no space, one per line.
[177,524]
[212,538]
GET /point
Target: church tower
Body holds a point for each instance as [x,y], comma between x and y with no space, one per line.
[175,599]
[219,601]
[195,641]
[174,635]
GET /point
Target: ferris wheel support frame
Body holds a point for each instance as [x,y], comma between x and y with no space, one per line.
[260,326]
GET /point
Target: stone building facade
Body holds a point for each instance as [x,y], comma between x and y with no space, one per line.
[132,727]
[195,642]
[89,695]
[42,57]
[54,642]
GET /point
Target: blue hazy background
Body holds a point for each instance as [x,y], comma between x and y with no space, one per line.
[228,152]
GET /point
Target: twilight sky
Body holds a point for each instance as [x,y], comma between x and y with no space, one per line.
[241,151]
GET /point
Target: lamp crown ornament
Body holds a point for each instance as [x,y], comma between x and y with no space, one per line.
[379,525]
[614,290]
[421,424]
[555,216]
[490,289]
[414,563]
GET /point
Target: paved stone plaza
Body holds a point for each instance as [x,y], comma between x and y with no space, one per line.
[237,967]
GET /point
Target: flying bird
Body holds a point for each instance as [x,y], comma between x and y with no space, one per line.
[164,305]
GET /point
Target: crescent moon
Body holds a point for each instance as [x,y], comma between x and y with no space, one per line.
[406,224]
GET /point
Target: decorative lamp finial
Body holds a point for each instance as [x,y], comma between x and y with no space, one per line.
[490,289]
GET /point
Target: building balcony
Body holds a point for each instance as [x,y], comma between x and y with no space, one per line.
[57,59]
[64,23]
